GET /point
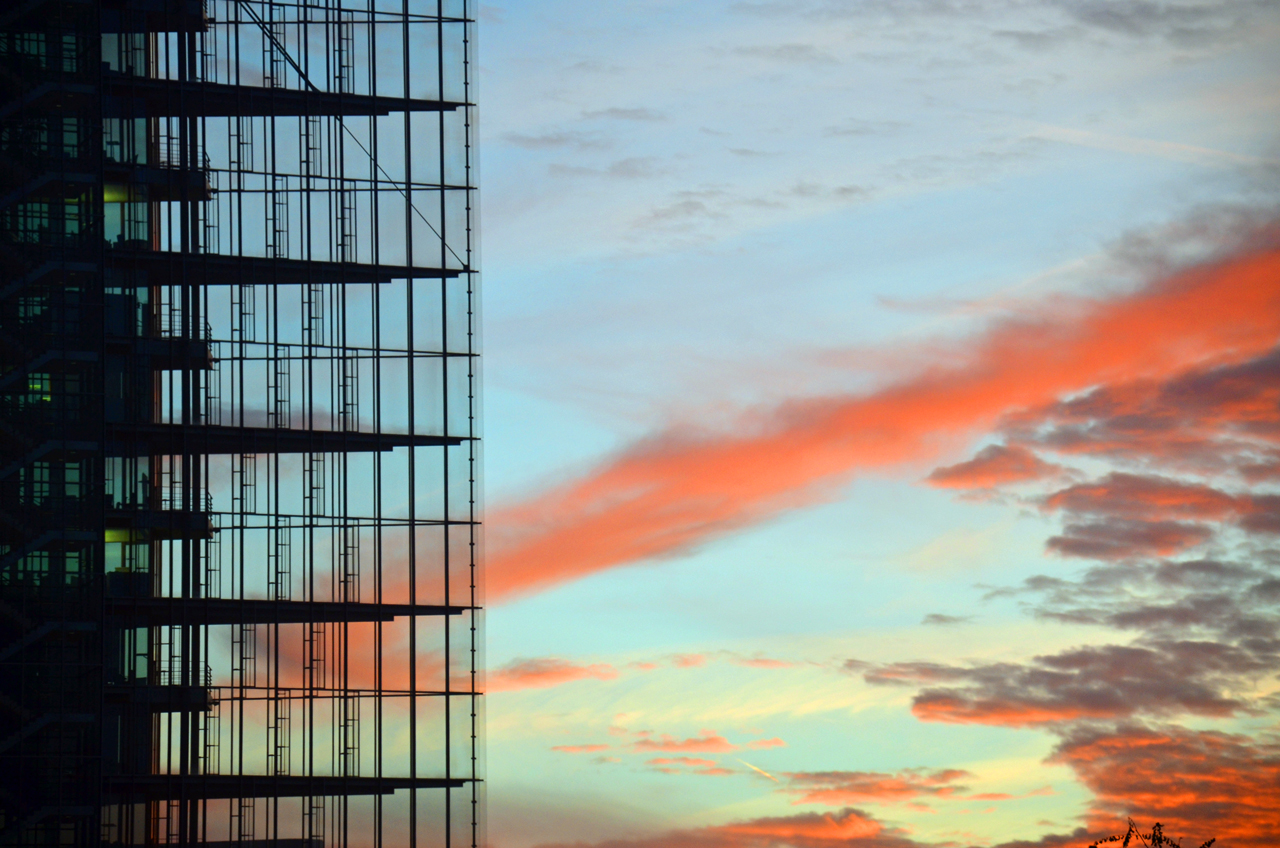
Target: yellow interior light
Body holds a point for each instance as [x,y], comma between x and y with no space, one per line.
[119,193]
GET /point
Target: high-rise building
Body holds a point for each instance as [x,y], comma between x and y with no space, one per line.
[239,495]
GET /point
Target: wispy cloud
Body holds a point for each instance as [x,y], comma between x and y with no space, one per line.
[619,114]
[841,788]
[633,167]
[560,140]
[679,761]
[689,660]
[579,749]
[803,54]
[1147,147]
[545,672]
[775,742]
[706,742]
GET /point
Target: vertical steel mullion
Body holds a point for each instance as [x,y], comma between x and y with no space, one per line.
[195,404]
[186,330]
[201,129]
[412,423]
[471,420]
[238,180]
[338,171]
[376,306]
[309,465]
[275,710]
[444,416]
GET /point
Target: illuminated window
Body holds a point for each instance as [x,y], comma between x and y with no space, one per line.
[31,307]
[39,388]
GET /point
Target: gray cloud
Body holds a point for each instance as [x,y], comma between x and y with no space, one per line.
[680,210]
[635,167]
[938,618]
[1208,420]
[1187,23]
[1038,40]
[558,141]
[802,54]
[1193,23]
[857,128]
[617,114]
[1121,539]
[1087,683]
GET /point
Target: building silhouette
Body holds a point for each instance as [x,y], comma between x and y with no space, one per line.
[239,596]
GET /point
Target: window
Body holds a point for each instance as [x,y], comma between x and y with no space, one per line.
[26,44]
[29,222]
[70,54]
[72,479]
[33,483]
[71,138]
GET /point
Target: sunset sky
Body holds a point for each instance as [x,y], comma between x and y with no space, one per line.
[882,417]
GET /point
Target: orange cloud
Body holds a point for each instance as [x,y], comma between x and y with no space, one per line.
[679,761]
[763,662]
[1005,796]
[678,489]
[350,655]
[846,829]
[1199,784]
[706,742]
[688,660]
[1131,501]
[545,672]
[775,742]
[839,827]
[995,465]
[836,788]
[1129,515]
[579,749]
[1146,497]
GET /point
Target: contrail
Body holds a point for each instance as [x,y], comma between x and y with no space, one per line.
[757,768]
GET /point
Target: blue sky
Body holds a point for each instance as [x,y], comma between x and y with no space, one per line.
[699,217]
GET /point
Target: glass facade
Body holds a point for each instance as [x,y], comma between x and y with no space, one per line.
[240,596]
